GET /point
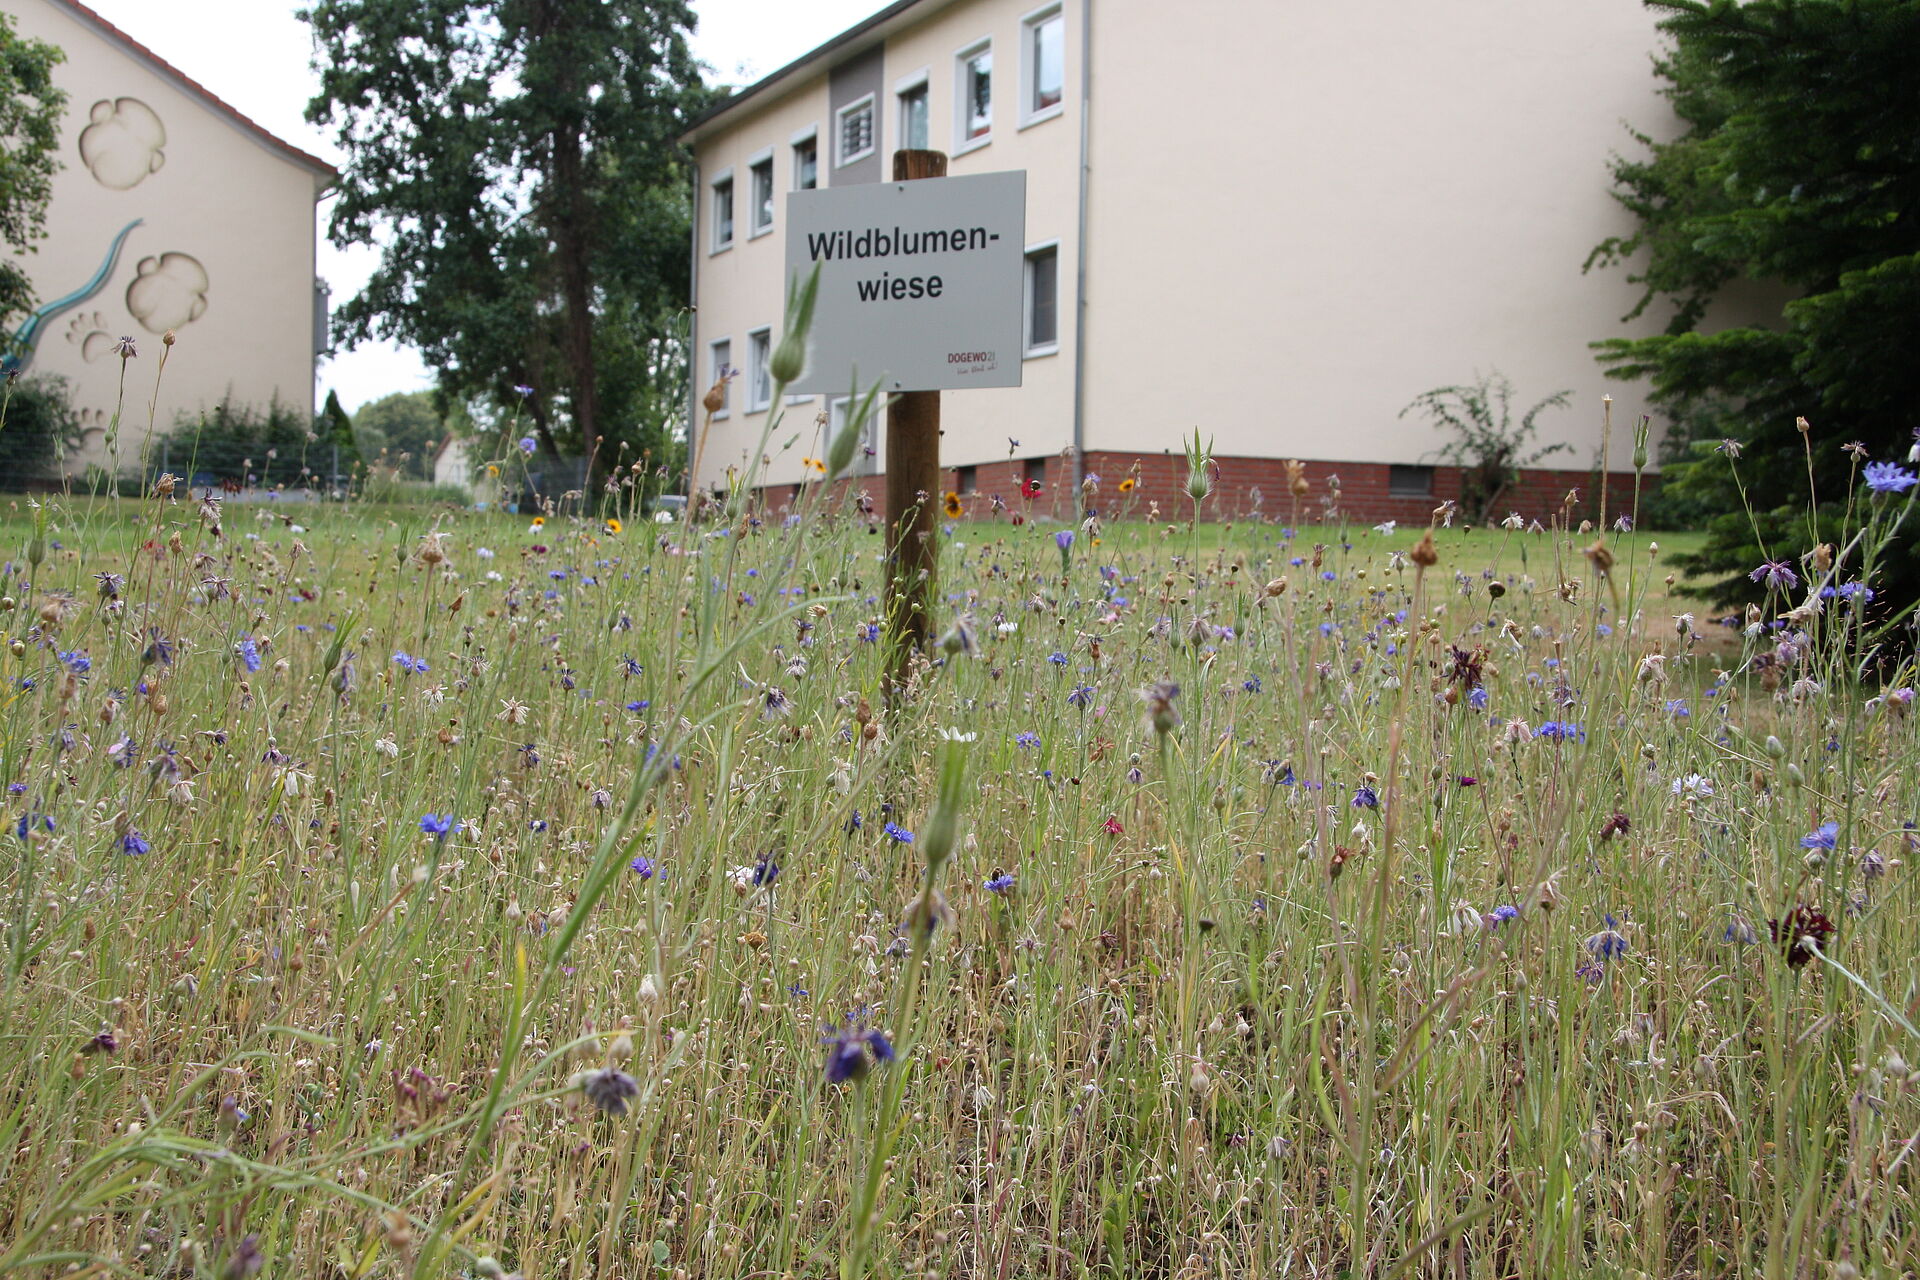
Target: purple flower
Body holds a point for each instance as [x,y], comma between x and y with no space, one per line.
[1777,575]
[1561,731]
[1366,798]
[1889,477]
[248,651]
[436,825]
[1001,882]
[1501,914]
[1028,740]
[642,866]
[133,844]
[528,445]
[1826,836]
[522,390]
[898,834]
[1063,539]
[1609,943]
[610,1090]
[853,1048]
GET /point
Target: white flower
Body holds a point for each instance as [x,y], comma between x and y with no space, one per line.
[485,553]
[1513,522]
[954,735]
[1386,527]
[387,747]
[1692,785]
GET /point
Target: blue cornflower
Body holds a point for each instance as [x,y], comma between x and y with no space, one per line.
[1889,477]
[402,659]
[436,824]
[1057,658]
[1477,697]
[853,1048]
[249,652]
[420,665]
[1081,696]
[640,704]
[642,866]
[1366,798]
[1063,539]
[1826,836]
[1678,708]
[898,834]
[1000,882]
[522,390]
[630,666]
[1027,740]
[867,632]
[1609,943]
[133,844]
[766,871]
[528,445]
[1561,731]
[1251,684]
[28,821]
[77,662]
[1501,914]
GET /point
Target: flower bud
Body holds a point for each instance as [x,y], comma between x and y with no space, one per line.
[1775,747]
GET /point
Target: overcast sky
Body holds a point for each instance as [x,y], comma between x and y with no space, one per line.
[254,54]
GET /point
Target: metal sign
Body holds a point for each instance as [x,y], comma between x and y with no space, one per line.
[921,283]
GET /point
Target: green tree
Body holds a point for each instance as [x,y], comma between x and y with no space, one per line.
[38,428]
[334,428]
[1798,164]
[30,108]
[518,163]
[406,424]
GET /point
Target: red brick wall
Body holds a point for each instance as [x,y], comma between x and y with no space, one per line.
[1161,479]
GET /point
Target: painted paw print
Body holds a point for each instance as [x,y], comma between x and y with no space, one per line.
[88,331]
[92,420]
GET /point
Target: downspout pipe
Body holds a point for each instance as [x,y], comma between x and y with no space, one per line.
[693,331]
[1080,256]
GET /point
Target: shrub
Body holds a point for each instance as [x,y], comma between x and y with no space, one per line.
[38,428]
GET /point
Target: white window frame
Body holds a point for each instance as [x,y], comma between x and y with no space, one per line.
[921,81]
[962,98]
[759,375]
[715,244]
[810,134]
[761,159]
[1029,349]
[714,365]
[838,407]
[1029,65]
[864,102]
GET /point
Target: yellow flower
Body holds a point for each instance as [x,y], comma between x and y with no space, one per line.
[954,509]
[492,470]
[814,464]
[613,525]
[1126,486]
[539,521]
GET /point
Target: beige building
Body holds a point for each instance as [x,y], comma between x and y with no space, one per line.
[172,212]
[1276,222]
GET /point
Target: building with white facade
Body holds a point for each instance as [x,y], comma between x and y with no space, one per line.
[1277,223]
[172,212]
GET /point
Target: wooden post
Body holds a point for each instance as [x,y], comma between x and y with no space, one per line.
[913,490]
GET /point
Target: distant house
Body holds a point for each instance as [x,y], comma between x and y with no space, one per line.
[173,212]
[1276,222]
[453,464]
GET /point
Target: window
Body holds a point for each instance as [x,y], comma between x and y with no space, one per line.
[973,103]
[856,131]
[966,479]
[759,378]
[722,237]
[1043,70]
[762,171]
[720,370]
[1036,469]
[806,162]
[838,407]
[912,93]
[1409,482]
[1043,300]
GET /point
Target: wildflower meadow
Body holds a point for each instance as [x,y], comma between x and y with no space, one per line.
[407,892]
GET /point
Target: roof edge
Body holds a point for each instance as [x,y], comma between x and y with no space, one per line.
[854,39]
[194,88]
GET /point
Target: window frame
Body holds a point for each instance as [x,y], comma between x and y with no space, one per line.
[920,84]
[1030,26]
[714,366]
[864,102]
[761,163]
[1029,349]
[759,369]
[808,137]
[720,181]
[963,61]
[1405,470]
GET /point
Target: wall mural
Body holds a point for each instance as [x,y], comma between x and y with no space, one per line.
[122,144]
[20,347]
[88,331]
[170,291]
